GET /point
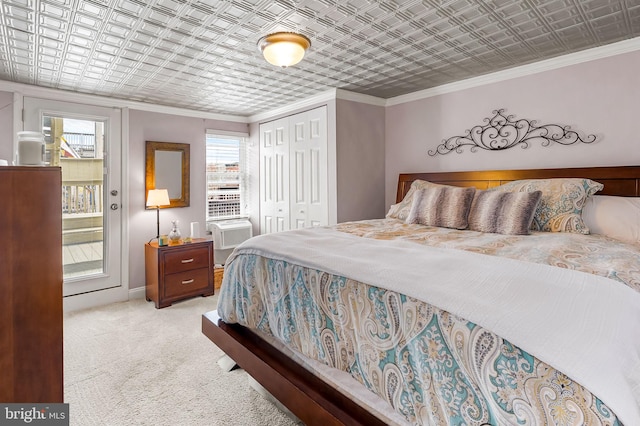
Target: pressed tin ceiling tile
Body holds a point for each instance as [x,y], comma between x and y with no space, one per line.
[202,54]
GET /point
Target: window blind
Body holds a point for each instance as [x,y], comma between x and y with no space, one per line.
[226,168]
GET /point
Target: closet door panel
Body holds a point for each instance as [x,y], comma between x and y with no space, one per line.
[274,176]
[315,176]
[311,139]
[281,175]
[266,178]
[300,173]
[267,224]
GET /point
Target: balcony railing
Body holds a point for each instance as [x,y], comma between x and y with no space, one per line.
[82,200]
[82,143]
[223,203]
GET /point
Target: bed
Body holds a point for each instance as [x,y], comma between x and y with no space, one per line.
[318,398]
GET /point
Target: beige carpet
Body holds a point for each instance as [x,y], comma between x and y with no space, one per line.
[132,364]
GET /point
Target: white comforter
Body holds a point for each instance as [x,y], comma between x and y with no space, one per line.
[576,322]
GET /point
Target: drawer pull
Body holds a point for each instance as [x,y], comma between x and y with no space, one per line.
[188,281]
[187,260]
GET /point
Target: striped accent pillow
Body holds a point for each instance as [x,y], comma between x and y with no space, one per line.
[445,207]
[503,212]
[401,210]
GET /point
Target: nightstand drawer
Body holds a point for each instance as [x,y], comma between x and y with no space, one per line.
[184,283]
[185,260]
[178,272]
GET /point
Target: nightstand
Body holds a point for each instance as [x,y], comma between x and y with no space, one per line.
[177,272]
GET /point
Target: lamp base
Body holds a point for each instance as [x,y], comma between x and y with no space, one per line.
[157,222]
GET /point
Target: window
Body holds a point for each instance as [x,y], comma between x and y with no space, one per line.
[225,176]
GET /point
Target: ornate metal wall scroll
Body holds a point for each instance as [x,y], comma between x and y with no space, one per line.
[502,132]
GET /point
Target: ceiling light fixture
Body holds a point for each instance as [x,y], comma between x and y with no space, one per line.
[284,49]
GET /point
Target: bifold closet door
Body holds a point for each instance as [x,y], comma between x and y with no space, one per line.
[274,176]
[293,172]
[308,156]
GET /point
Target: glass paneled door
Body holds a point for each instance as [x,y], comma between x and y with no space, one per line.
[85,142]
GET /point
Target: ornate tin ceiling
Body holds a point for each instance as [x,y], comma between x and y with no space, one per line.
[202,54]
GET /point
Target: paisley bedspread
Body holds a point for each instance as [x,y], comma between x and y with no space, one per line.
[594,254]
[433,367]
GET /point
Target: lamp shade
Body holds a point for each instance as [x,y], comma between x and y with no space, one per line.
[284,49]
[158,198]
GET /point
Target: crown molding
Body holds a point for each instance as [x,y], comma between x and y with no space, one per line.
[285,110]
[104,101]
[569,59]
[329,95]
[360,98]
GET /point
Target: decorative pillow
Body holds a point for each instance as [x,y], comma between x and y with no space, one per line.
[560,208]
[401,210]
[615,217]
[446,207]
[503,212]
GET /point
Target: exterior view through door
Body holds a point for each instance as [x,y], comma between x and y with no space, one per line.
[79,144]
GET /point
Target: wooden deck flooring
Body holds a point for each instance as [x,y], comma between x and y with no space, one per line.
[82,259]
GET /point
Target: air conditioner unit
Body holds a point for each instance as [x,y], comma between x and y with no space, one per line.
[229,233]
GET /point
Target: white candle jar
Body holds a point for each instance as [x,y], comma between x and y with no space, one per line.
[30,149]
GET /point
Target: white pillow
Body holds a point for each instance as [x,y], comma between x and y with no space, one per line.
[615,217]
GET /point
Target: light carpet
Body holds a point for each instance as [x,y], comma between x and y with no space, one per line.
[132,364]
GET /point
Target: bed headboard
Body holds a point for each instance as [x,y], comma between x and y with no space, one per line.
[621,181]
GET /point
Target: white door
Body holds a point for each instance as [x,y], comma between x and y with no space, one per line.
[274,176]
[309,184]
[85,141]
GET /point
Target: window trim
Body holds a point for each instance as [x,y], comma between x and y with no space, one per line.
[226,133]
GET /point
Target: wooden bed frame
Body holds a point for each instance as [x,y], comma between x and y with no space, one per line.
[308,397]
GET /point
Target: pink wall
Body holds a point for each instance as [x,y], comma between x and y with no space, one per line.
[600,97]
[360,153]
[144,126]
[6,126]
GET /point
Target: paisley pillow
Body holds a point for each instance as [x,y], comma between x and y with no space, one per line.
[560,208]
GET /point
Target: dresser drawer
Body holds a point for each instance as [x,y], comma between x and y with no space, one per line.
[185,260]
[184,283]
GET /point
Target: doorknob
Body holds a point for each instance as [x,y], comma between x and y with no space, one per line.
[114,206]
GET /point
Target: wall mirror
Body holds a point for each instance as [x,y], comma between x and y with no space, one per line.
[167,167]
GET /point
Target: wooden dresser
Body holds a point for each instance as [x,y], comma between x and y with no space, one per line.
[179,271]
[31,285]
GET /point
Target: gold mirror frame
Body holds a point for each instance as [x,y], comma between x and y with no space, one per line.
[174,169]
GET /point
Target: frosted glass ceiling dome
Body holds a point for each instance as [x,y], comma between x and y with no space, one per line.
[284,49]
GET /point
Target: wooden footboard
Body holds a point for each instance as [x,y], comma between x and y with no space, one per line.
[307,396]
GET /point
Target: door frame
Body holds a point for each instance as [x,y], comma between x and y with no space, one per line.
[113,294]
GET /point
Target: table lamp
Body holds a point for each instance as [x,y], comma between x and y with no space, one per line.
[158,198]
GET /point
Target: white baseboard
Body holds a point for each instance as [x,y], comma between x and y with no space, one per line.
[137,293]
[101,297]
[94,298]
